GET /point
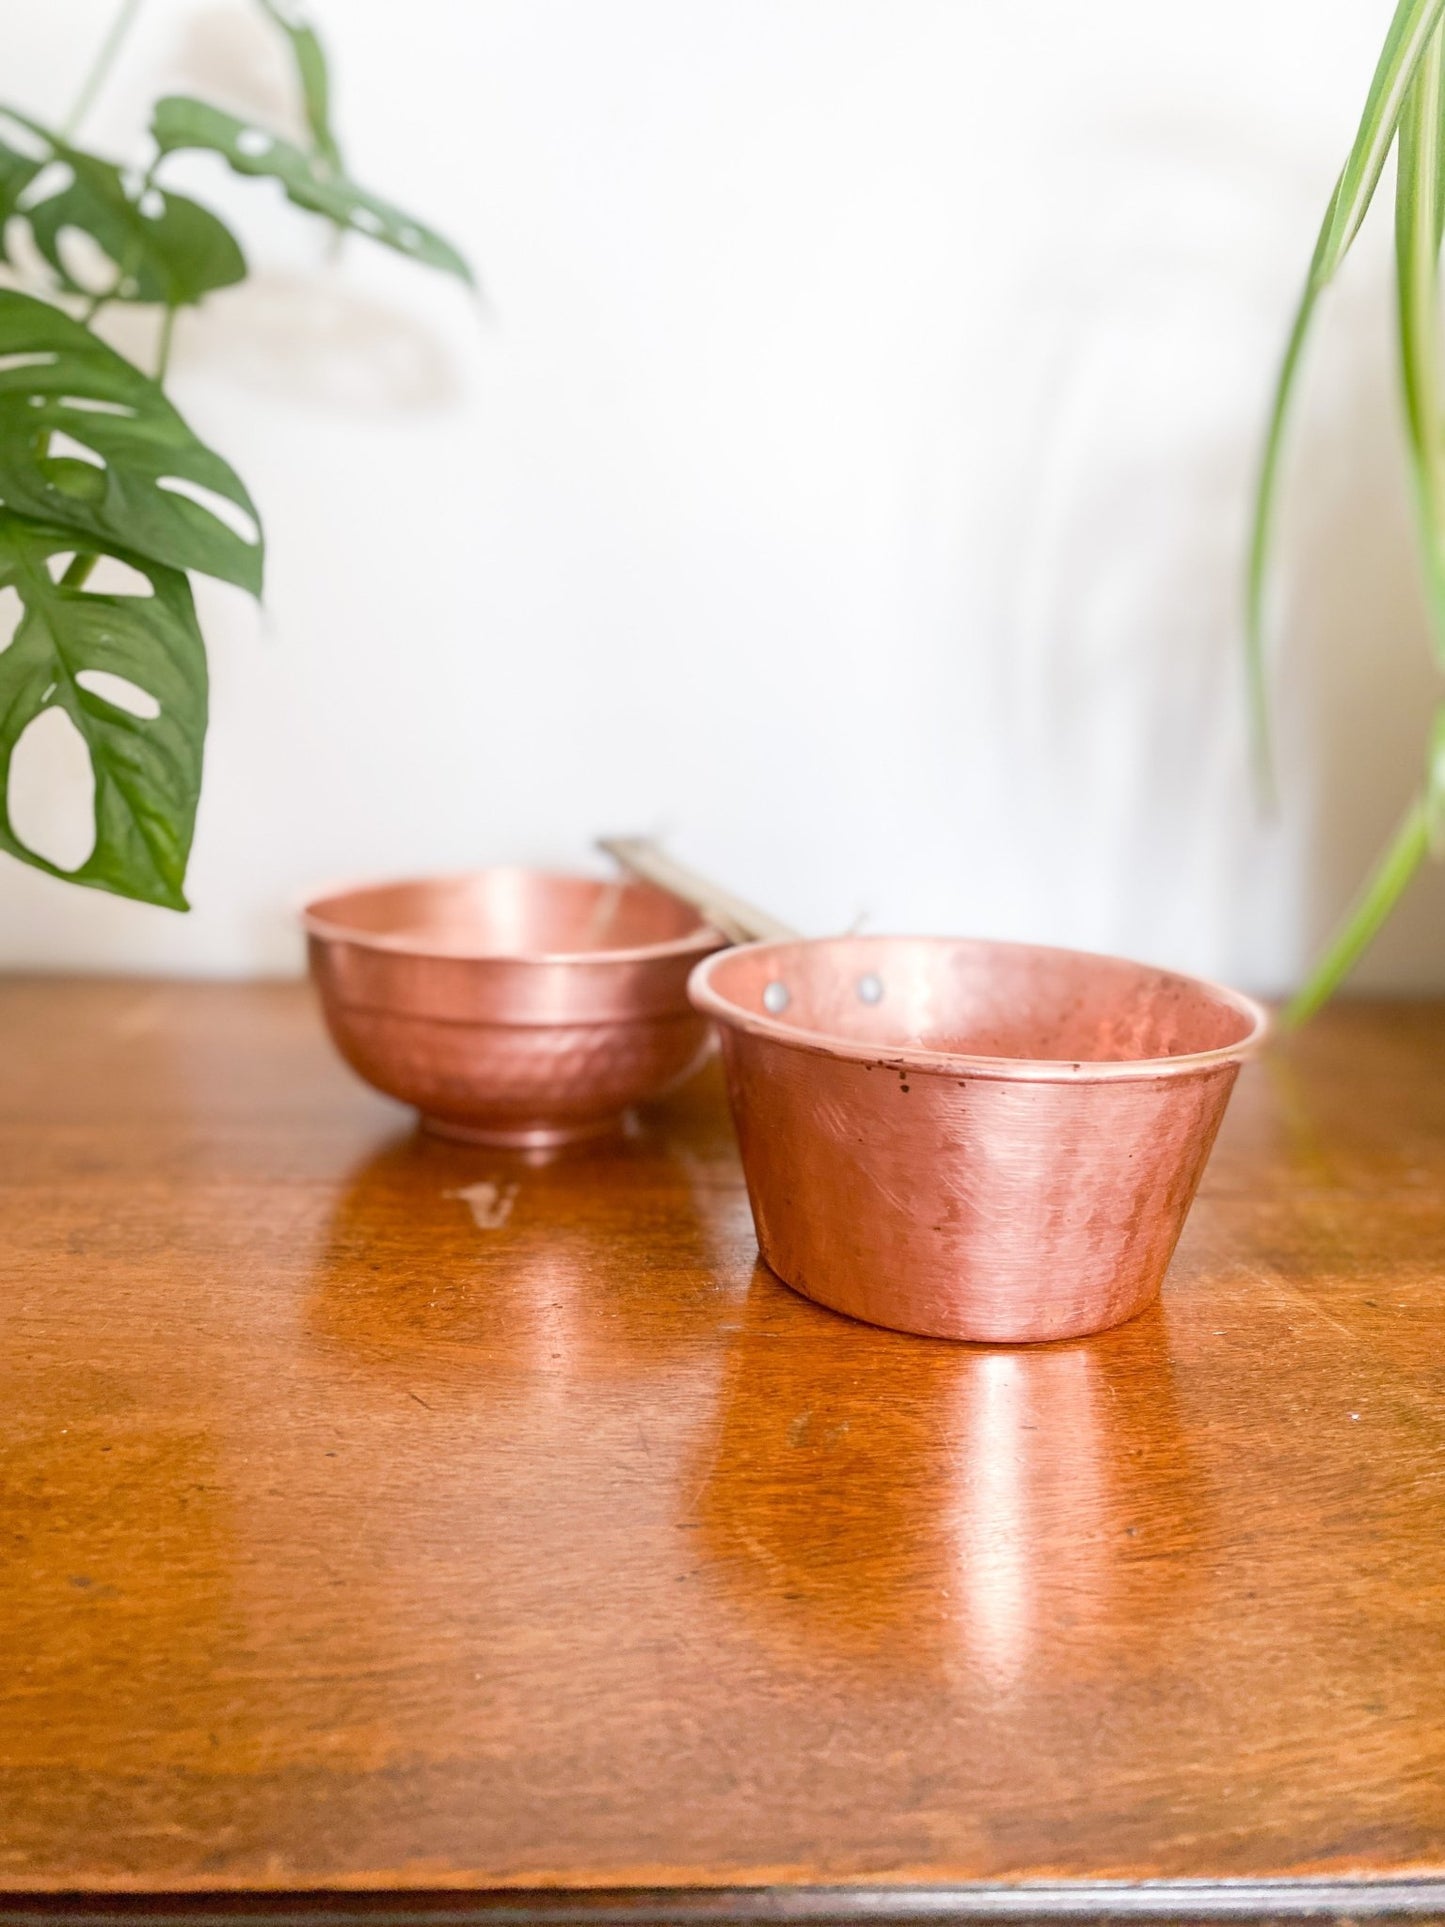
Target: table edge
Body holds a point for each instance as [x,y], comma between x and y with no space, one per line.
[1414,1898]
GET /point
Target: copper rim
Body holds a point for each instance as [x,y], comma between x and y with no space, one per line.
[1009,1069]
[700,939]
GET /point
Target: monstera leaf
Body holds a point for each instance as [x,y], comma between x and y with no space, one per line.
[164,248]
[142,481]
[313,75]
[68,646]
[183,123]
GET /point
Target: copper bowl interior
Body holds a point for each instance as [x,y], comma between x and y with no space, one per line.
[510,913]
[1014,1004]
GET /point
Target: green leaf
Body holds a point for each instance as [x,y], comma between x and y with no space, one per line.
[1417,260]
[313,75]
[1402,856]
[1410,30]
[183,123]
[57,378]
[1435,786]
[165,249]
[1409,34]
[147,770]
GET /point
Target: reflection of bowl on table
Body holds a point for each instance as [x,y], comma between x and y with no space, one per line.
[992,1518]
[455,1267]
[511,1006]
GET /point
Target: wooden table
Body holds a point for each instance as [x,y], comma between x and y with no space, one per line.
[385,1518]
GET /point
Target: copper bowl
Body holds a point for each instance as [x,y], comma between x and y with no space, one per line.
[986,1141]
[511,1007]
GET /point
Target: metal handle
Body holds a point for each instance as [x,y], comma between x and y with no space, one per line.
[740,922]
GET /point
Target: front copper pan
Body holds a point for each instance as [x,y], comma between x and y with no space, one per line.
[997,1142]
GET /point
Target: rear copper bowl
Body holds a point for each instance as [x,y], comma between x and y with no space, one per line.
[511,1007]
[984,1141]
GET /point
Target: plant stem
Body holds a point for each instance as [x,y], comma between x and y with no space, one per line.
[163,352]
[126,265]
[78,574]
[1262,540]
[1418,213]
[95,79]
[1403,856]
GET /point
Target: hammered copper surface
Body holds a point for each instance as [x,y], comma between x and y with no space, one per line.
[511,1006]
[997,1142]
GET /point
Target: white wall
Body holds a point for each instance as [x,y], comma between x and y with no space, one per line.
[848,477]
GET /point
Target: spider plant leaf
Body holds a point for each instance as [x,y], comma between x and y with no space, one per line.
[1417,259]
[312,74]
[142,482]
[164,248]
[1410,31]
[1435,786]
[147,766]
[180,122]
[1399,861]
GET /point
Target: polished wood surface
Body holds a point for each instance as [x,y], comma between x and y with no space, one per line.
[381,1513]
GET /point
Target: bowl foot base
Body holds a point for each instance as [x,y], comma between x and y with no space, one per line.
[523,1137]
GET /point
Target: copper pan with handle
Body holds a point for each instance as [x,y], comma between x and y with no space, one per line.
[997,1142]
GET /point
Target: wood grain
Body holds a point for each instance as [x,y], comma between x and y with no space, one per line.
[384,1514]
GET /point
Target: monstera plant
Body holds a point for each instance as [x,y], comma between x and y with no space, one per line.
[95,462]
[1405,110]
